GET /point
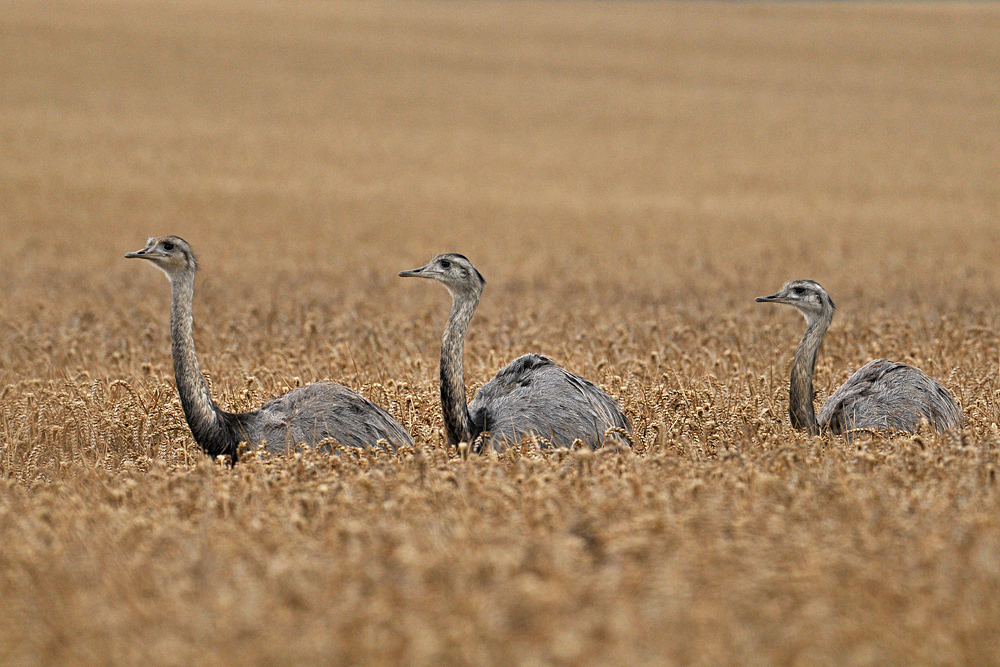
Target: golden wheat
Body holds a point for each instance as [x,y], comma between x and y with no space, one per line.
[628,177]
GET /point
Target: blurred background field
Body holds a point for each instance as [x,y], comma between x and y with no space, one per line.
[628,177]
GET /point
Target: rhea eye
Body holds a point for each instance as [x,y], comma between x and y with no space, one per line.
[168,246]
[445,264]
[798,290]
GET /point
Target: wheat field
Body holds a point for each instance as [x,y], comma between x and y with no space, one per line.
[627,177]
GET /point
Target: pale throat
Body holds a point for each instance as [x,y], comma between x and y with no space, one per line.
[195,399]
[800,405]
[454,403]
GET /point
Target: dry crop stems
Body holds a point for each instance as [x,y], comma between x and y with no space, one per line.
[630,176]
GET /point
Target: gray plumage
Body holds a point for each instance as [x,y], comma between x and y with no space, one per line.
[531,396]
[310,414]
[881,396]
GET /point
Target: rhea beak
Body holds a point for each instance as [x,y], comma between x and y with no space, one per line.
[776,297]
[143,254]
[415,273]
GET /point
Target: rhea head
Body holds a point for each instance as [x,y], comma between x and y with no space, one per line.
[806,295]
[171,254]
[452,270]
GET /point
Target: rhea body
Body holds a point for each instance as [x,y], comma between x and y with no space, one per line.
[310,414]
[532,396]
[881,396]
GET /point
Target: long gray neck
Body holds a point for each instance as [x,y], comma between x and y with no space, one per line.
[457,420]
[203,417]
[800,398]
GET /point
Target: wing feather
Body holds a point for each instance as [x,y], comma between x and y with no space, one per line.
[323,411]
[888,395]
[534,396]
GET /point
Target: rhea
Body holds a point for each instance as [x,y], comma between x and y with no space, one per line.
[532,396]
[881,396]
[311,414]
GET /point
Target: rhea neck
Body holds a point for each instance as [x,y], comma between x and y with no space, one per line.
[203,416]
[800,399]
[454,406]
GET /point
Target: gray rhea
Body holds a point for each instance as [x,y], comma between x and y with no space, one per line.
[881,396]
[310,414]
[531,396]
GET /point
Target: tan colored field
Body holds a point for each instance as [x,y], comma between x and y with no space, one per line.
[627,177]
